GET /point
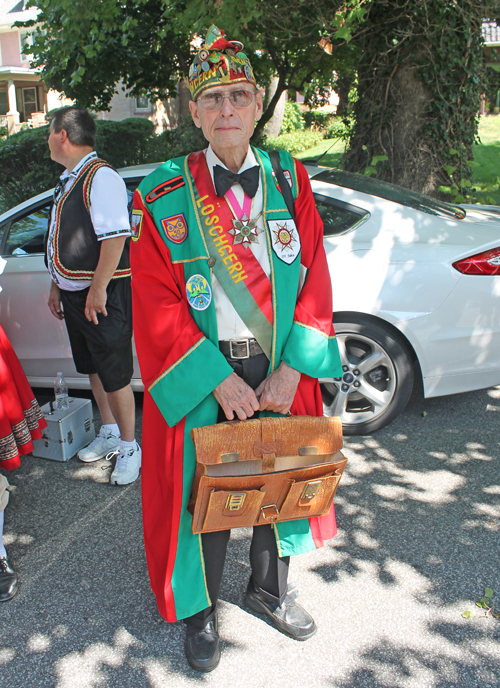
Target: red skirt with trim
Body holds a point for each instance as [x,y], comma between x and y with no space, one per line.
[21,420]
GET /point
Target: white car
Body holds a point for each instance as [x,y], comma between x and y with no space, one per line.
[416,289]
[414,281]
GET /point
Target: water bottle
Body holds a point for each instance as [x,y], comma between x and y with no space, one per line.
[61,392]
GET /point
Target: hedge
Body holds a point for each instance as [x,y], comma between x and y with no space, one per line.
[26,168]
[296,142]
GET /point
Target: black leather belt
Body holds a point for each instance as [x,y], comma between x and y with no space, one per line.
[240,348]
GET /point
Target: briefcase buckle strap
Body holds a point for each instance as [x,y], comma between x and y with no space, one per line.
[270,511]
[235,354]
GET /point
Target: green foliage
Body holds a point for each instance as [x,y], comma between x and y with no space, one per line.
[292,118]
[485,175]
[25,166]
[486,603]
[329,152]
[492,92]
[462,190]
[85,47]
[172,143]
[318,119]
[372,167]
[126,142]
[295,142]
[419,89]
[340,128]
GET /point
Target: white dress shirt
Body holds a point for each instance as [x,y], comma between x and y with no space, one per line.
[229,323]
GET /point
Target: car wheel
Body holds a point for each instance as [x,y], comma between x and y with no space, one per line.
[377,380]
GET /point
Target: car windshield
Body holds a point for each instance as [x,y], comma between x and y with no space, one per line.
[391,192]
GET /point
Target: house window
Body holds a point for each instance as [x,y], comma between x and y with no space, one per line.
[142,103]
[4,103]
[30,102]
[25,39]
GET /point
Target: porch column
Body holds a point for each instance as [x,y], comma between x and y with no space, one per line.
[13,117]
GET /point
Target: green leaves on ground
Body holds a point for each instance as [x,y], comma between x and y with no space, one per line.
[486,602]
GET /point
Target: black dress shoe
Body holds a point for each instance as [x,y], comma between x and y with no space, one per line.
[202,646]
[288,617]
[8,581]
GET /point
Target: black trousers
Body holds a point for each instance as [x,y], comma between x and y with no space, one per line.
[269,571]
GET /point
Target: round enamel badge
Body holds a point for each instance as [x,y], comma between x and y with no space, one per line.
[198,292]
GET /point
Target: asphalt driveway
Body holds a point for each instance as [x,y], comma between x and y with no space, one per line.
[418,512]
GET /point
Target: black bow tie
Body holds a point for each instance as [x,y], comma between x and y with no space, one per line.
[224,179]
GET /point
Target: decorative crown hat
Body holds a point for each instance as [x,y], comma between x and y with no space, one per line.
[219,61]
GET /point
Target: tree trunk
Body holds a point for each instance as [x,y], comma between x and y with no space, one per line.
[277,93]
[184,98]
[342,87]
[412,157]
[418,94]
[274,124]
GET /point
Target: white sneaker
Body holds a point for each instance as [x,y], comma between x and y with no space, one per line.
[127,467]
[98,448]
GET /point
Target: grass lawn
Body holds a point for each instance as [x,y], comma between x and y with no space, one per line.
[487,154]
[332,158]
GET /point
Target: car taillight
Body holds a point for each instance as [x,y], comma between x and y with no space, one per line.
[487,263]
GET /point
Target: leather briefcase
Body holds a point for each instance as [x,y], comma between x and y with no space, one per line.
[265,470]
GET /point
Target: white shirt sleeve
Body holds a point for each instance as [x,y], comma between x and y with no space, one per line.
[108,205]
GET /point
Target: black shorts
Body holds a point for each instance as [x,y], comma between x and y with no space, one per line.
[106,348]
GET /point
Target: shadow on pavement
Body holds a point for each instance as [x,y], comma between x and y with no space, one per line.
[418,515]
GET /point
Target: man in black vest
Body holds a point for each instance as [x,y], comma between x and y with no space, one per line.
[87,254]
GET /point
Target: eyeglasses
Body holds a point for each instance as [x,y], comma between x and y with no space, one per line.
[239,99]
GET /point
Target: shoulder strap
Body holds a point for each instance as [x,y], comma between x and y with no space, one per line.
[284,186]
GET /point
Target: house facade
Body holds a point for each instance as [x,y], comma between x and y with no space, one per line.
[491,36]
[24,98]
[163,113]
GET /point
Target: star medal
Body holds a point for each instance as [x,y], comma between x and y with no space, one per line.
[245,231]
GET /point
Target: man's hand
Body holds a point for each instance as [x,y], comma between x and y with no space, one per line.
[54,302]
[96,303]
[235,396]
[277,392]
[109,257]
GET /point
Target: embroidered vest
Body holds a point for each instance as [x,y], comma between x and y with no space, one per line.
[76,247]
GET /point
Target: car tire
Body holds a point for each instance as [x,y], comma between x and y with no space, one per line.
[378,376]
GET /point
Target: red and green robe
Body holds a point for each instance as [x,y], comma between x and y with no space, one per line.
[178,352]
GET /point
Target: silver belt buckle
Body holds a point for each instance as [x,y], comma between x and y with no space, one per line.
[239,342]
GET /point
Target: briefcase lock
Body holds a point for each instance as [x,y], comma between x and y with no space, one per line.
[235,501]
[311,490]
[270,511]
